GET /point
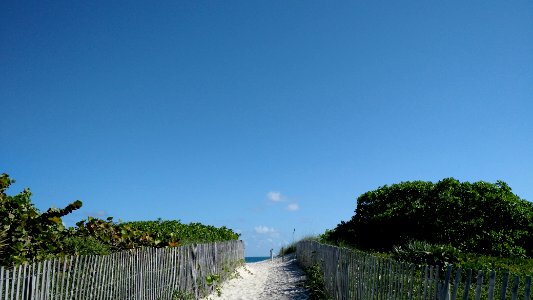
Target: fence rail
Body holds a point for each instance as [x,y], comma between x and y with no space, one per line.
[147,273]
[356,275]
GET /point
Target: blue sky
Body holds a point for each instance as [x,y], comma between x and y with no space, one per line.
[263,116]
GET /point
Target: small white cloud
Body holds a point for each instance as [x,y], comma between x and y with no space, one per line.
[264,230]
[293,207]
[275,196]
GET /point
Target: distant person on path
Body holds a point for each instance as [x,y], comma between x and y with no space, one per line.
[271,255]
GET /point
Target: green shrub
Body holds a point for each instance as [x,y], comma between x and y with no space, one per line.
[315,283]
[515,265]
[420,252]
[113,235]
[130,235]
[29,234]
[478,217]
[287,250]
[166,232]
[89,245]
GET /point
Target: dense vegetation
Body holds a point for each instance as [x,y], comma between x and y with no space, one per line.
[444,222]
[174,232]
[28,235]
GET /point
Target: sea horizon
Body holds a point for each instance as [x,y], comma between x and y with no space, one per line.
[252,259]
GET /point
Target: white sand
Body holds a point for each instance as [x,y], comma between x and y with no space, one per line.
[265,280]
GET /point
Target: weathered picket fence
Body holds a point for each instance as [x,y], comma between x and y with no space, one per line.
[166,273]
[356,275]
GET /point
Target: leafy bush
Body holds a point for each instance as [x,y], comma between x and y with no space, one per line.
[113,235]
[291,248]
[26,235]
[130,235]
[421,252]
[515,265]
[478,217]
[315,283]
[77,245]
[30,235]
[172,232]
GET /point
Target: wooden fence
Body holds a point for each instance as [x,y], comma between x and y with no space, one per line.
[356,275]
[148,273]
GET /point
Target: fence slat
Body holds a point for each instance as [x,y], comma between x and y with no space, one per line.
[34,279]
[527,288]
[427,271]
[436,283]
[505,282]
[479,282]
[467,284]
[1,281]
[6,279]
[411,280]
[446,287]
[19,275]
[515,288]
[456,282]
[13,280]
[48,280]
[492,278]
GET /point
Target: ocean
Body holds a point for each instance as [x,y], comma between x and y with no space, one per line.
[253,259]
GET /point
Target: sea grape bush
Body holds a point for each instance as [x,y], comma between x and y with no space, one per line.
[85,245]
[27,235]
[170,232]
[110,234]
[130,235]
[483,218]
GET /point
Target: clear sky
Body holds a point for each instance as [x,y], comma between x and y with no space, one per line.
[263,116]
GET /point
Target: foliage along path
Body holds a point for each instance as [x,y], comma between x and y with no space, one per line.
[277,280]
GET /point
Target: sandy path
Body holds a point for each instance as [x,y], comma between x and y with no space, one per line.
[265,280]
